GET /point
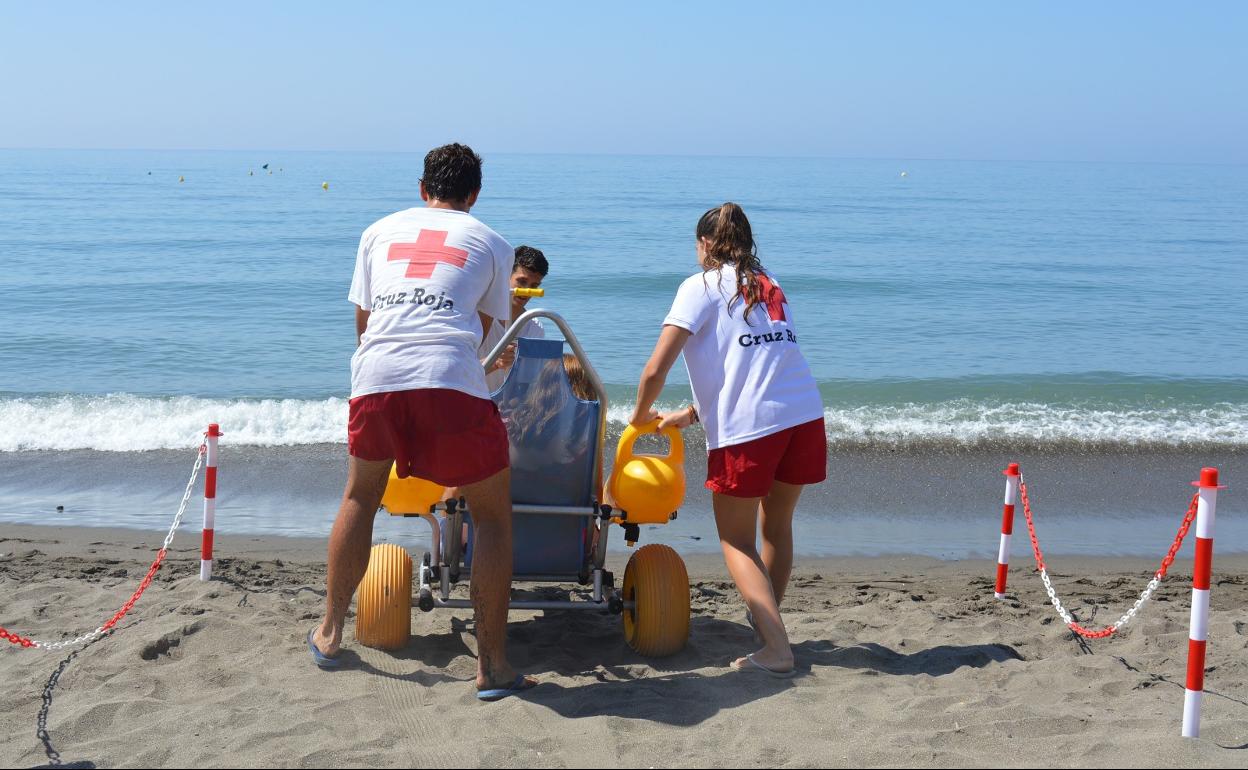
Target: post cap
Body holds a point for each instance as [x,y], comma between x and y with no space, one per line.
[1208,479]
[214,430]
[1012,470]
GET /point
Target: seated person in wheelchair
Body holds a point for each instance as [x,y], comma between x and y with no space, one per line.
[541,420]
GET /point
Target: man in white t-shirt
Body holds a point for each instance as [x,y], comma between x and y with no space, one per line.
[528,272]
[427,282]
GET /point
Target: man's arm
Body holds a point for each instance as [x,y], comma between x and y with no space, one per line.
[361,323]
[487,323]
[508,355]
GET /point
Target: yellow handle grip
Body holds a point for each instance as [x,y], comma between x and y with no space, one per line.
[518,292]
[625,449]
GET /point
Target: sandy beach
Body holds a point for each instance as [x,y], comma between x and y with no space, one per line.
[904,661]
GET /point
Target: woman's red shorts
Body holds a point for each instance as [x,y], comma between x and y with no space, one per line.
[797,455]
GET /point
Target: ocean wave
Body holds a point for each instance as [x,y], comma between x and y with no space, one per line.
[970,424]
[127,423]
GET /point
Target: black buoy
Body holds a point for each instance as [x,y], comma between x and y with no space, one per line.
[60,509]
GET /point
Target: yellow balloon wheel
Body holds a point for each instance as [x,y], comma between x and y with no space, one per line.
[657,584]
[384,601]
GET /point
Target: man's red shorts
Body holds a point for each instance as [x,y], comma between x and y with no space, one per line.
[444,436]
[797,455]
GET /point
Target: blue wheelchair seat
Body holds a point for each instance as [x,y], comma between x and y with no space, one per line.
[553,438]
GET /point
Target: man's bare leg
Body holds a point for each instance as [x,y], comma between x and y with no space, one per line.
[490,504]
[349,545]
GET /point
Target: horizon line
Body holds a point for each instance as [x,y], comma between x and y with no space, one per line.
[645,155]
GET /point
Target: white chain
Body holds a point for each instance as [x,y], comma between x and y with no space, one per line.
[1144,597]
[1057,603]
[1122,621]
[177,520]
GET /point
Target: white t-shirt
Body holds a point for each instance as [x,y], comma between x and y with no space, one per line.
[532,328]
[424,273]
[749,378]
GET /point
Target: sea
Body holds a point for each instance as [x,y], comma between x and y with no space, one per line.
[1088,320]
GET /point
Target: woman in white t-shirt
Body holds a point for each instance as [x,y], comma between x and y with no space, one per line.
[755,395]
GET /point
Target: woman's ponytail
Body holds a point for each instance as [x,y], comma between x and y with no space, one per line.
[730,241]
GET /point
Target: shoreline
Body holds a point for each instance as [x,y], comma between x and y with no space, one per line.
[943,504]
[123,543]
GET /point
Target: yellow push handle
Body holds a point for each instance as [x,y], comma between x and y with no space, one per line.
[518,292]
[624,452]
[647,488]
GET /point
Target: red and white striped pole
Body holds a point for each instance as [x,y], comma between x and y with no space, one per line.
[210,502]
[1206,509]
[1007,527]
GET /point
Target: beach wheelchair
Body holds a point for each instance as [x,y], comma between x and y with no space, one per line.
[561,522]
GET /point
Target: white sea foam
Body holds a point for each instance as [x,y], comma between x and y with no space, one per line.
[967,423]
[127,423]
[122,422]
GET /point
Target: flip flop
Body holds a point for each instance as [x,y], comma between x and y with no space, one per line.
[322,660]
[521,684]
[753,665]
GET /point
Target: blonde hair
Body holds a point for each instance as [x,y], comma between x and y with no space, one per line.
[581,386]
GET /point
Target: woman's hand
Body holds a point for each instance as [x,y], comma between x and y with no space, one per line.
[681,418]
[641,419]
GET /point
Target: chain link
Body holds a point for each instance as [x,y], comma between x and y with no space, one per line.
[1153,584]
[147,579]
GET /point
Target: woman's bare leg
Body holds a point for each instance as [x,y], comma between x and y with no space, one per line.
[737,521]
[777,515]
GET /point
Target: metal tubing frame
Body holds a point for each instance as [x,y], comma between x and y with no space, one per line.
[464,604]
[534,578]
[558,510]
[436,536]
[599,602]
[599,389]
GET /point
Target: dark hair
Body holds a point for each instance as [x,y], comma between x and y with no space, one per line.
[730,241]
[531,259]
[452,173]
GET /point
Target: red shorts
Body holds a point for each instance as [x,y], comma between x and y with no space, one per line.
[443,436]
[797,455]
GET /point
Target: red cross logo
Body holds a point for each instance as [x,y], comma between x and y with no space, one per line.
[773,297]
[429,249]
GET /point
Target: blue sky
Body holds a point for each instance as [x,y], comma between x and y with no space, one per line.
[1114,81]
